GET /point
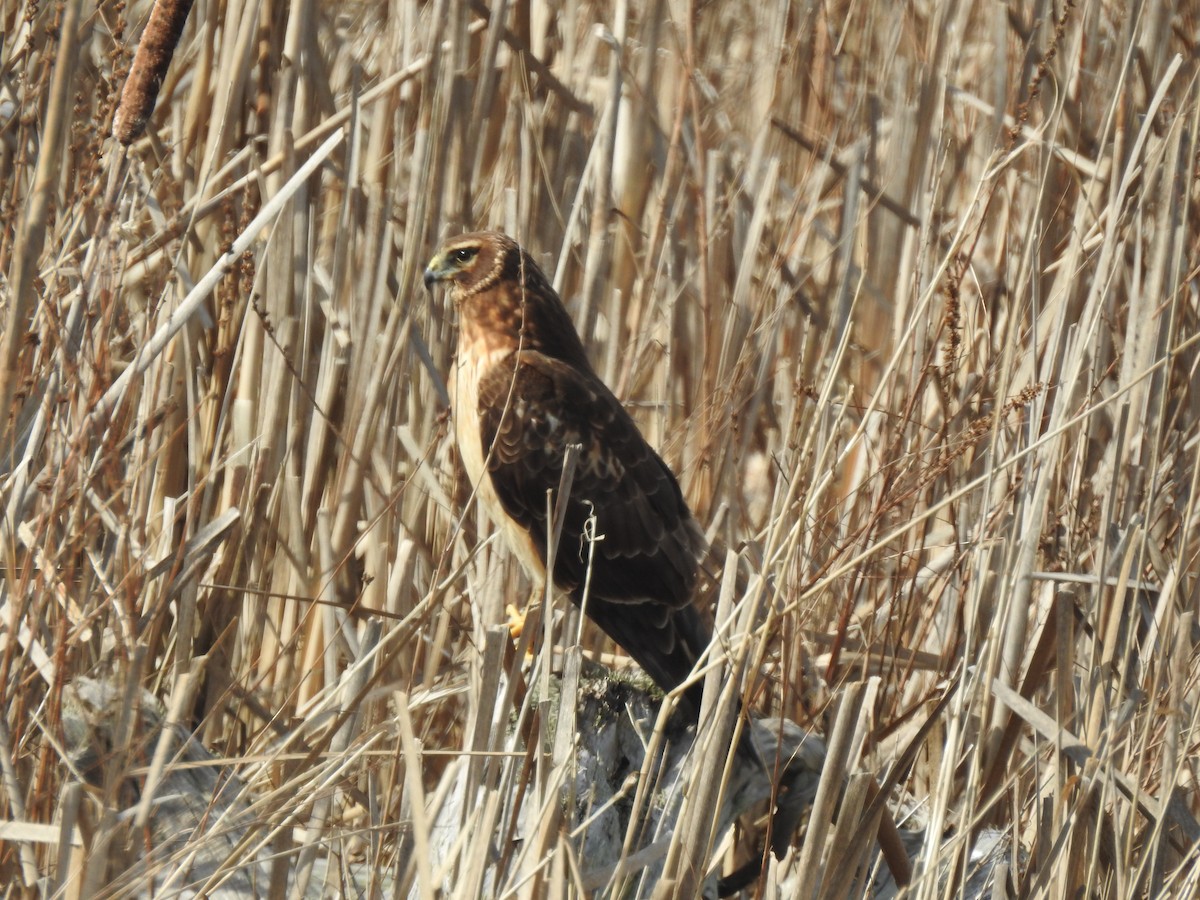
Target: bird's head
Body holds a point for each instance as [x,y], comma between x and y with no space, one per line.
[503,299]
[471,263]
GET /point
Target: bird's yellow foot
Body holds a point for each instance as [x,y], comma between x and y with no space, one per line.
[516,620]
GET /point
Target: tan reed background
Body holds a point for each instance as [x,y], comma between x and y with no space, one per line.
[905,293]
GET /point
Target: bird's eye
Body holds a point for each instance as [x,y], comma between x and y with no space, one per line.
[464,254]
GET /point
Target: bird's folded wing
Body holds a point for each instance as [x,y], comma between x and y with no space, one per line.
[531,407]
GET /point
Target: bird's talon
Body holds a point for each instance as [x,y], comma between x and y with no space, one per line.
[516,620]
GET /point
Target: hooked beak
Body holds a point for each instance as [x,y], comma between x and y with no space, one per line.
[434,272]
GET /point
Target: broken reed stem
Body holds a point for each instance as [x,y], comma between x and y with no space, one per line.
[190,305]
[22,298]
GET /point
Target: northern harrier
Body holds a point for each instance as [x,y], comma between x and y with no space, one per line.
[523,391]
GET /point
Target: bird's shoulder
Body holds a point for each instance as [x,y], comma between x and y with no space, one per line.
[531,404]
